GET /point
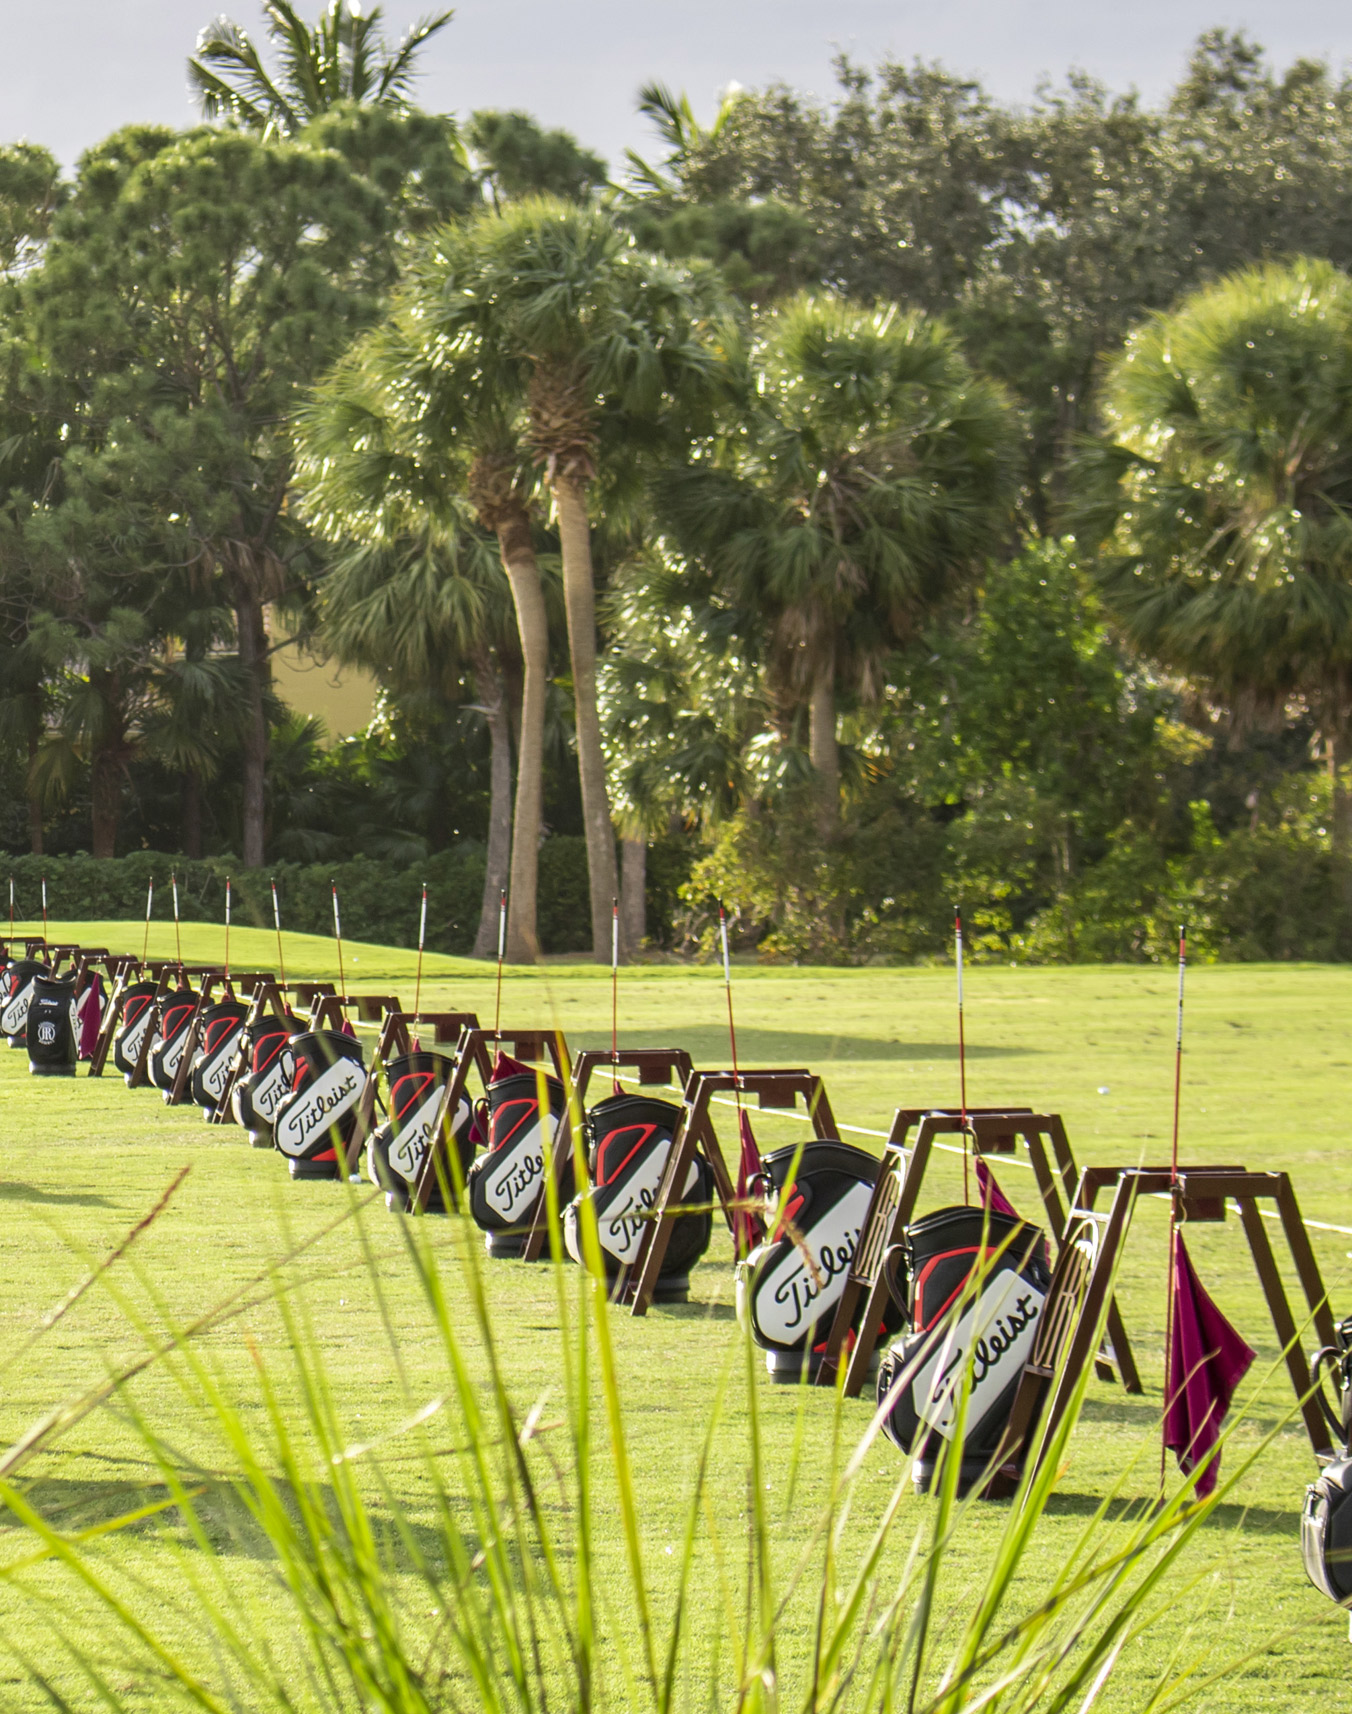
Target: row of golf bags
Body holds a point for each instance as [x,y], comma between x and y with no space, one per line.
[42,1014]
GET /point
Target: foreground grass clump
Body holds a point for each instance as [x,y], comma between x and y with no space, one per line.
[490,1590]
[1264,1083]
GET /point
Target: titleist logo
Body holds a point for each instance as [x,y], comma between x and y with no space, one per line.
[323,1103]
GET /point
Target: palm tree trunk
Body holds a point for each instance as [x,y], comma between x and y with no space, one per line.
[823,749]
[253,654]
[34,802]
[579,594]
[493,695]
[105,795]
[192,814]
[633,903]
[532,624]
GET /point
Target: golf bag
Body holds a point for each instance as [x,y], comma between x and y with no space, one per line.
[16,994]
[1326,1520]
[506,1182]
[997,1327]
[52,1045]
[219,1035]
[257,1095]
[138,1013]
[177,1010]
[629,1138]
[396,1150]
[789,1303]
[314,1122]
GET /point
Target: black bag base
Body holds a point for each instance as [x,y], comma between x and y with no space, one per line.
[312,1169]
[50,1070]
[507,1246]
[261,1140]
[786,1367]
[998,1484]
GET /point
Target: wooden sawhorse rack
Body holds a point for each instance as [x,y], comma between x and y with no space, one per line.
[1200,1196]
[654,1065]
[530,1045]
[394,1041]
[775,1090]
[994,1131]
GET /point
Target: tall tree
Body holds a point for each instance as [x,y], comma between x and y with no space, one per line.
[191,290]
[403,439]
[342,57]
[419,613]
[1223,491]
[553,306]
[867,477]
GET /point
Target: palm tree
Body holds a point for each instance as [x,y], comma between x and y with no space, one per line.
[416,613]
[550,306]
[396,442]
[1223,495]
[869,474]
[342,57]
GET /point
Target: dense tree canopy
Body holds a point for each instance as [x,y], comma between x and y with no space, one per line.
[842,507]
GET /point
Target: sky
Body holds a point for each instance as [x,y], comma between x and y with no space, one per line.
[73,70]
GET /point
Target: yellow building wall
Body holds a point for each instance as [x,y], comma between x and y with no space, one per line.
[344,698]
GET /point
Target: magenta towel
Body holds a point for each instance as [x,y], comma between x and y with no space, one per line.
[1207,1360]
[89,1011]
[747,1230]
[992,1196]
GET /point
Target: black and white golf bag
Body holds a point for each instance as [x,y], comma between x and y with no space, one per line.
[16,994]
[993,1332]
[629,1138]
[506,1182]
[1326,1521]
[220,1033]
[259,1092]
[52,1024]
[788,1287]
[314,1123]
[396,1150]
[137,1016]
[177,1010]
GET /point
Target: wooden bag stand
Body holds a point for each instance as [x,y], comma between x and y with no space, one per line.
[1083,1278]
[265,993]
[162,970]
[327,1010]
[472,1054]
[654,1065]
[395,1040]
[247,982]
[777,1090]
[123,971]
[1200,1195]
[993,1131]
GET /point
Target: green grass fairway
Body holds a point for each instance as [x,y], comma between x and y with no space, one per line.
[1265,1084]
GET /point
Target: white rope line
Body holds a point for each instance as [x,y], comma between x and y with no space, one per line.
[1014,1160]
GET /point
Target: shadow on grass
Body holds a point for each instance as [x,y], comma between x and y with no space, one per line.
[1227,1516]
[16,1191]
[708,1046]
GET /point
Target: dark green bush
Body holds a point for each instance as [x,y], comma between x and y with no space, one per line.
[380,901]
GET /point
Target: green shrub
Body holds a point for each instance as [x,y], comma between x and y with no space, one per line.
[380,901]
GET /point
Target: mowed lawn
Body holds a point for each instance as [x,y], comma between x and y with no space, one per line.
[1265,1079]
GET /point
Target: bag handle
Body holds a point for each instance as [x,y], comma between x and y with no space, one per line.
[896,1277]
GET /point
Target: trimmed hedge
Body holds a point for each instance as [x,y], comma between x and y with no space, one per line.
[380,901]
